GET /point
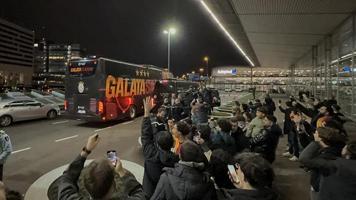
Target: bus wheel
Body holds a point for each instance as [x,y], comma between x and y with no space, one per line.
[132,112]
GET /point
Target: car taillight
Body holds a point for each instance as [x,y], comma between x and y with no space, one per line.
[65,105]
[101,107]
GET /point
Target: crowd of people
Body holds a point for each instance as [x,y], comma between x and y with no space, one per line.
[188,155]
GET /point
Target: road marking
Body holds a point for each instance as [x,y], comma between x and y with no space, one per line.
[102,129]
[66,138]
[60,122]
[21,150]
[129,122]
[78,119]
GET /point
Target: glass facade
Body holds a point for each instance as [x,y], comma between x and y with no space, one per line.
[332,65]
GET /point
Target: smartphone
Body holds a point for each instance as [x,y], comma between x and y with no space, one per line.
[112,156]
[232,173]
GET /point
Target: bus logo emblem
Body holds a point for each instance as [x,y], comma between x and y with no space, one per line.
[81,87]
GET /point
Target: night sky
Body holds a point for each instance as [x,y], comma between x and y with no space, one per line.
[129,30]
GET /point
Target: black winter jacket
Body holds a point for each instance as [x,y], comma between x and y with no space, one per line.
[155,158]
[266,142]
[338,181]
[186,181]
[241,141]
[305,133]
[287,127]
[240,194]
[329,153]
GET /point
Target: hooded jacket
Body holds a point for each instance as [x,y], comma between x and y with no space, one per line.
[155,158]
[186,181]
[240,194]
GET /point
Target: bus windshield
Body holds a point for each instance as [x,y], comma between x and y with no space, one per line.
[82,68]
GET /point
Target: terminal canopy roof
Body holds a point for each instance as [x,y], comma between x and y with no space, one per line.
[276,33]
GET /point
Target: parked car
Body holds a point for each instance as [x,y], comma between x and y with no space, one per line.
[21,110]
[228,90]
[238,89]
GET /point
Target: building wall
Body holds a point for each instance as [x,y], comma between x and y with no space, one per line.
[16,54]
[332,64]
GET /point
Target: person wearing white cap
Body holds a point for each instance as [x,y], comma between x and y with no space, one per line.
[5,150]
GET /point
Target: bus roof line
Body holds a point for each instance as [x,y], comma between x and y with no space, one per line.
[154,68]
[122,62]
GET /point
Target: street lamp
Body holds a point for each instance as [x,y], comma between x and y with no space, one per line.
[206,59]
[169,32]
[201,70]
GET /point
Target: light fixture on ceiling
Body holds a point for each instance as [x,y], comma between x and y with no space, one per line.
[226,32]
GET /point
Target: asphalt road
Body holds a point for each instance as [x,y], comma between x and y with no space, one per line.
[42,145]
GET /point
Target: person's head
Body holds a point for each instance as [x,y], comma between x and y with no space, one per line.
[166,100]
[212,123]
[181,129]
[268,121]
[237,122]
[289,104]
[261,112]
[177,101]
[161,113]
[188,121]
[247,116]
[296,116]
[237,103]
[219,160]
[323,109]
[13,195]
[180,96]
[294,103]
[268,100]
[336,108]
[349,151]
[253,170]
[191,152]
[200,99]
[204,132]
[236,111]
[165,140]
[336,125]
[244,107]
[330,136]
[224,125]
[98,178]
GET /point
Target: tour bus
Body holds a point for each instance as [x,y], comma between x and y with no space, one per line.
[103,89]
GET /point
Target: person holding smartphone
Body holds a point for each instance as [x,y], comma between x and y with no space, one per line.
[99,181]
[252,177]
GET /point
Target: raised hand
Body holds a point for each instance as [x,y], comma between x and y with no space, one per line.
[92,142]
[147,104]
